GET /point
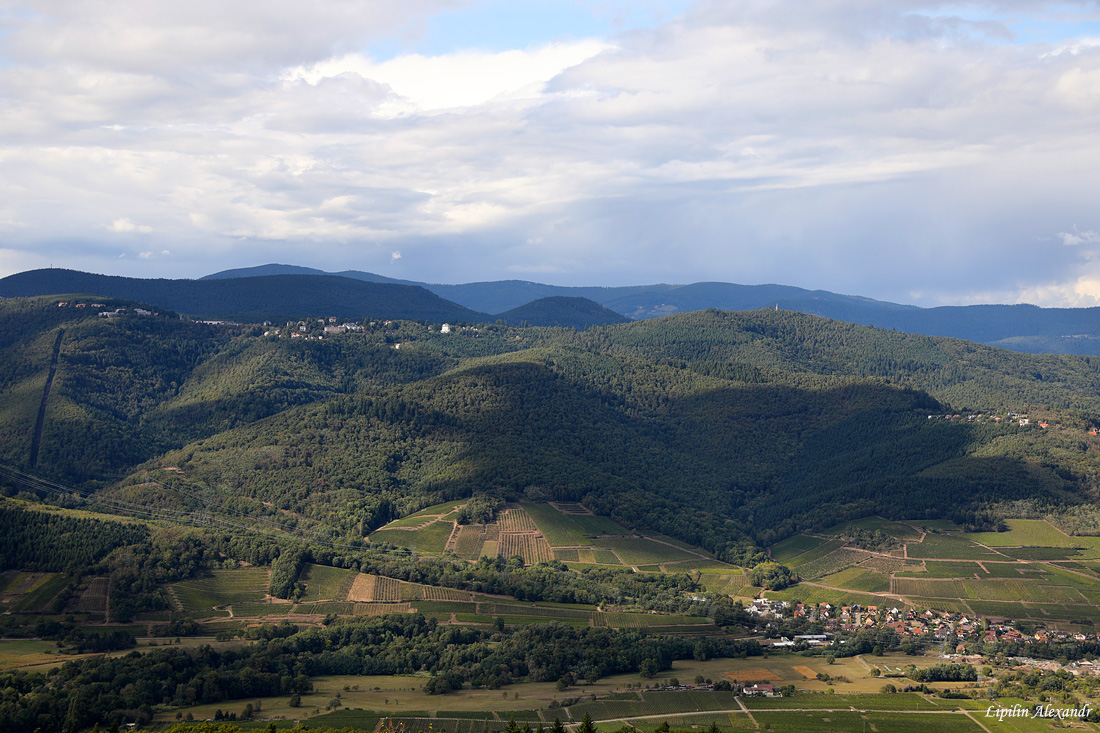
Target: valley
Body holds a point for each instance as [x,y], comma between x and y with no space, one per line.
[960,593]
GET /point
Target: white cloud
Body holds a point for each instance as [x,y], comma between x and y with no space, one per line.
[395,256]
[1074,238]
[1082,291]
[127,226]
[457,80]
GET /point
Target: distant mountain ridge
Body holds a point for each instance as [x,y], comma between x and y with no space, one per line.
[276,291]
[1024,328]
[266,297]
[284,292]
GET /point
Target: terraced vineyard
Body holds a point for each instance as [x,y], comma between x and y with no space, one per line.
[531,547]
[94,598]
[469,541]
[835,561]
[516,520]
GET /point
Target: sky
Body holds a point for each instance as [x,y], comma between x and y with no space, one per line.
[918,152]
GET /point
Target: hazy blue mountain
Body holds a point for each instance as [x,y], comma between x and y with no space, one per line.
[559,310]
[261,270]
[269,297]
[1017,327]
[633,301]
[277,269]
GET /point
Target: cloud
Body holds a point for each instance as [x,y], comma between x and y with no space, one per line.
[127,226]
[875,148]
[1074,238]
[461,79]
[202,36]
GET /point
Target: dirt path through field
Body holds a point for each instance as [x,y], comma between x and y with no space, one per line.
[980,724]
[895,596]
[742,709]
[682,549]
[746,710]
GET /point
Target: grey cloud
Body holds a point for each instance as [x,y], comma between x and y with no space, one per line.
[188,38]
[873,148]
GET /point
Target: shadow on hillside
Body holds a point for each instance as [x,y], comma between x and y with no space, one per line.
[767,457]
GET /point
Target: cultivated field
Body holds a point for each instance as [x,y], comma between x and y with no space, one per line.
[899,530]
[792,547]
[833,562]
[220,588]
[560,530]
[29,592]
[94,598]
[643,551]
[947,569]
[1032,533]
[430,538]
[950,547]
[531,547]
[323,583]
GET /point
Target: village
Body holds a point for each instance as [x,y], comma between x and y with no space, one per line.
[967,633]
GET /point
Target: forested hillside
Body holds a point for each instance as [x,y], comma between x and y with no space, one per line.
[726,430]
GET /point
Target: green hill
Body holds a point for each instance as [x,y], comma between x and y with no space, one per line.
[726,430]
[559,310]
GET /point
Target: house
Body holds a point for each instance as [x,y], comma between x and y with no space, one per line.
[761,689]
[445,328]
